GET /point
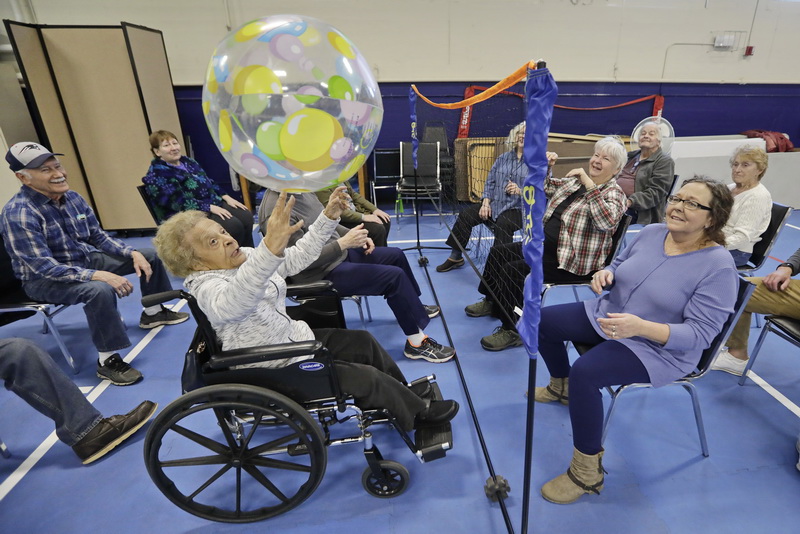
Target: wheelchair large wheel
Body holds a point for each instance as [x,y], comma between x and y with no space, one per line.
[235,453]
[392,482]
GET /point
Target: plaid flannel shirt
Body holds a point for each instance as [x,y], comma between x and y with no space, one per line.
[53,240]
[587,225]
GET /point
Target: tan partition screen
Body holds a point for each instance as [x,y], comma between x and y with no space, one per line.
[33,64]
[97,91]
[93,72]
[151,69]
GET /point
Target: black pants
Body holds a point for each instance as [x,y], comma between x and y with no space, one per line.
[240,225]
[503,225]
[504,275]
[367,372]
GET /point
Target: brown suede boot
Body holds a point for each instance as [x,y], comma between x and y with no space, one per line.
[558,390]
[585,475]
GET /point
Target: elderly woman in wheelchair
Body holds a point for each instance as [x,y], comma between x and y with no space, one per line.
[239,294]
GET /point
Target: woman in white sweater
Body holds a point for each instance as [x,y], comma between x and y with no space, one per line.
[752,203]
[242,291]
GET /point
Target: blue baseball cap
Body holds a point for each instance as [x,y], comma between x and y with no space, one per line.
[28,155]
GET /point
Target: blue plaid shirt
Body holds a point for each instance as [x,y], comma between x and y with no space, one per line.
[48,239]
[507,167]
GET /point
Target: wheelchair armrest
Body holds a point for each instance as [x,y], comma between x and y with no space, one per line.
[231,358]
[308,288]
[160,298]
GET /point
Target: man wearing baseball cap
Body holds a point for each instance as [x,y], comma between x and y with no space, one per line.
[61,255]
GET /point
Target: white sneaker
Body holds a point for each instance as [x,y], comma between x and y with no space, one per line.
[729,364]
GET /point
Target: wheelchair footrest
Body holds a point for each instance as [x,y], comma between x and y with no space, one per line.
[433,442]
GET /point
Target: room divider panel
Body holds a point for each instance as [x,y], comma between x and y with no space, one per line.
[96,93]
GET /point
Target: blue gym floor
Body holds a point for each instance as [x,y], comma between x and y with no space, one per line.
[657,481]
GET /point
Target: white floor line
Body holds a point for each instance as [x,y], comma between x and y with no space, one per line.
[793,226]
[24,468]
[777,395]
[405,241]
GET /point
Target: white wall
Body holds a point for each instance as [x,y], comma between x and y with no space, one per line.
[485,40]
[710,155]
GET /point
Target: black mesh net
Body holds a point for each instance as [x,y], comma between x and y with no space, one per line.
[477,143]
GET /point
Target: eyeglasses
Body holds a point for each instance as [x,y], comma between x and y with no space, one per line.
[688,204]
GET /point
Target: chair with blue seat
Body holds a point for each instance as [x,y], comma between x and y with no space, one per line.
[421,181]
[762,249]
[616,245]
[148,202]
[785,327]
[687,382]
[15,305]
[359,300]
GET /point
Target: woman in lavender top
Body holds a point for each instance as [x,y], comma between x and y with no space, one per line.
[669,293]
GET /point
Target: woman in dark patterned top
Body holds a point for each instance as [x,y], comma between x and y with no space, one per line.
[177,183]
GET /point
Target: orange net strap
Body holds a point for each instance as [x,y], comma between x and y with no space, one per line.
[516,77]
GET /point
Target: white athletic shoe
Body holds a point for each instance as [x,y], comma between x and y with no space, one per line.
[729,364]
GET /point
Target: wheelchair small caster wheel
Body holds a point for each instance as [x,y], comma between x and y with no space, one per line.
[496,488]
[423,261]
[393,482]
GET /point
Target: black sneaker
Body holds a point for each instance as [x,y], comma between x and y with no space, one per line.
[163,317]
[118,372]
[449,265]
[112,431]
[429,350]
[436,413]
[432,310]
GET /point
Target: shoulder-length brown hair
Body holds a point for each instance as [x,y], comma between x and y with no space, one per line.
[721,205]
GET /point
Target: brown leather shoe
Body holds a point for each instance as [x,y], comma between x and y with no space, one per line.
[449,265]
[112,431]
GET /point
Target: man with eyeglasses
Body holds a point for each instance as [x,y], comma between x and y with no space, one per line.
[62,256]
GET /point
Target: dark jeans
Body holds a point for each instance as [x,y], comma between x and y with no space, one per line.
[609,363]
[504,275]
[240,226]
[503,225]
[378,232]
[385,272]
[367,372]
[31,373]
[99,299]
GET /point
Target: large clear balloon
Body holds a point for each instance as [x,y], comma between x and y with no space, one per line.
[291,103]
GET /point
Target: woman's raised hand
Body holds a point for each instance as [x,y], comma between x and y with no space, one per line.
[337,203]
[278,228]
[581,175]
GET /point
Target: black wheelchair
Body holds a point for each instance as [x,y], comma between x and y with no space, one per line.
[248,444]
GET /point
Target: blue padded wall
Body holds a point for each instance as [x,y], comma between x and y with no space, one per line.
[693,109]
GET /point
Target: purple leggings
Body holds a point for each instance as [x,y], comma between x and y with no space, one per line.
[609,363]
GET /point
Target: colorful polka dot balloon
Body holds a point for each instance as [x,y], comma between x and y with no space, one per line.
[291,103]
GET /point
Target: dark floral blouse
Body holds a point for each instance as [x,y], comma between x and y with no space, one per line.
[174,189]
